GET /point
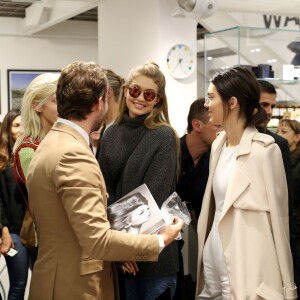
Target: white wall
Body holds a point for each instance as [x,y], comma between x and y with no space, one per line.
[126,41]
[52,49]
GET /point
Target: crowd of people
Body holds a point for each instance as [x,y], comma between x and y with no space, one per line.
[87,137]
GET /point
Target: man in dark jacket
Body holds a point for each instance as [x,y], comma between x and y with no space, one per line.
[268,102]
[195,153]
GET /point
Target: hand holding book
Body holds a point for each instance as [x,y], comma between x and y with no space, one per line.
[171,231]
[137,212]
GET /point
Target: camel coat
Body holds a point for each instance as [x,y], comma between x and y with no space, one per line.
[254,222]
[67,197]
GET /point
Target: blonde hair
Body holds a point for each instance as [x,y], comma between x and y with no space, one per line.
[115,82]
[159,115]
[37,93]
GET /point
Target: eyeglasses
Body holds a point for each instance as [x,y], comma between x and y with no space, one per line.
[208,100]
[134,91]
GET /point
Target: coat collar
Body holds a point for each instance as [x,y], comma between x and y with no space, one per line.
[245,143]
[234,190]
[71,131]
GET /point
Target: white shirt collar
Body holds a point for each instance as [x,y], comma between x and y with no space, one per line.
[78,128]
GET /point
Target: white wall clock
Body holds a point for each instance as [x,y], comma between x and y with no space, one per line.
[181,61]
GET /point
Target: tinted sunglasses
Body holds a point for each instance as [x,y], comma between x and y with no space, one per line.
[134,91]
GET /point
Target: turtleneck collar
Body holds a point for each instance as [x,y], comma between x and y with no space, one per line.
[134,122]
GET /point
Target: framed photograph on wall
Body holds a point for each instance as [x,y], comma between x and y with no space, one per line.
[18,81]
[0,92]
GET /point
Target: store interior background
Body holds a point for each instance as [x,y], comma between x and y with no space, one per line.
[124,34]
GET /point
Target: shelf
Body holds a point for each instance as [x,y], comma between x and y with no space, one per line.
[280,81]
[263,50]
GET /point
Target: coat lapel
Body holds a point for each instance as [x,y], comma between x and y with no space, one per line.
[239,180]
[215,152]
[237,185]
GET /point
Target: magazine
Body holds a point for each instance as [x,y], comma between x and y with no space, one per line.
[136,212]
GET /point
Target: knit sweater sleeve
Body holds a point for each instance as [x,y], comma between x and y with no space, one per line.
[25,155]
[161,173]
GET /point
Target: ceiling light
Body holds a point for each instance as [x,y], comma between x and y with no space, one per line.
[255,50]
[29,1]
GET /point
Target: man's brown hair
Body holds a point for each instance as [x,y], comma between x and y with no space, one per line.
[79,87]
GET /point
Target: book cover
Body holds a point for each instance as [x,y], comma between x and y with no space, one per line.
[136,212]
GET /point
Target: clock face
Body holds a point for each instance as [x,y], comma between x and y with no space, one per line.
[181,61]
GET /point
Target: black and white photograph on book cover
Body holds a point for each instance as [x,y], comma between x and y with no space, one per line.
[136,212]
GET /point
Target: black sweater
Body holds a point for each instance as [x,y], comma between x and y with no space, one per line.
[130,155]
[12,204]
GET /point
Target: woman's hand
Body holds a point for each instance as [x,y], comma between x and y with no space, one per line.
[170,232]
[7,241]
[130,267]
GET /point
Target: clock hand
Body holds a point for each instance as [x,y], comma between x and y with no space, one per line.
[180,60]
[176,67]
[179,63]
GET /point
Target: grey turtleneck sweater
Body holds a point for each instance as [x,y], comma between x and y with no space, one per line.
[130,155]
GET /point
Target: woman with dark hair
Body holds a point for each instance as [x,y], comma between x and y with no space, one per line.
[243,233]
[12,209]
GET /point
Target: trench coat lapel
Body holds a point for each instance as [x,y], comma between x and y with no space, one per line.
[215,153]
[239,180]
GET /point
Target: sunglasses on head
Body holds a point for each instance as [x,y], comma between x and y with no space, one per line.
[135,91]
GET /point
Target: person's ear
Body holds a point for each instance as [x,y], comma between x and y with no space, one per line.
[297,137]
[233,102]
[37,107]
[98,106]
[156,100]
[197,125]
[125,89]
[109,93]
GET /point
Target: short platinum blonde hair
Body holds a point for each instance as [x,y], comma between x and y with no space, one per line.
[37,93]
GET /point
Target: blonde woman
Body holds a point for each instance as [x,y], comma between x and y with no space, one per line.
[142,147]
[38,112]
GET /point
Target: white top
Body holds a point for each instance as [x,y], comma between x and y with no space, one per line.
[216,275]
[222,175]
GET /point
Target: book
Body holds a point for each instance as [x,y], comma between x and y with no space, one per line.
[136,212]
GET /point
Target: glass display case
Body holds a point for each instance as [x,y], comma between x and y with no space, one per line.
[272,54]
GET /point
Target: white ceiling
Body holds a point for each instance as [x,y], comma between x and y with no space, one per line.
[274,7]
[42,14]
